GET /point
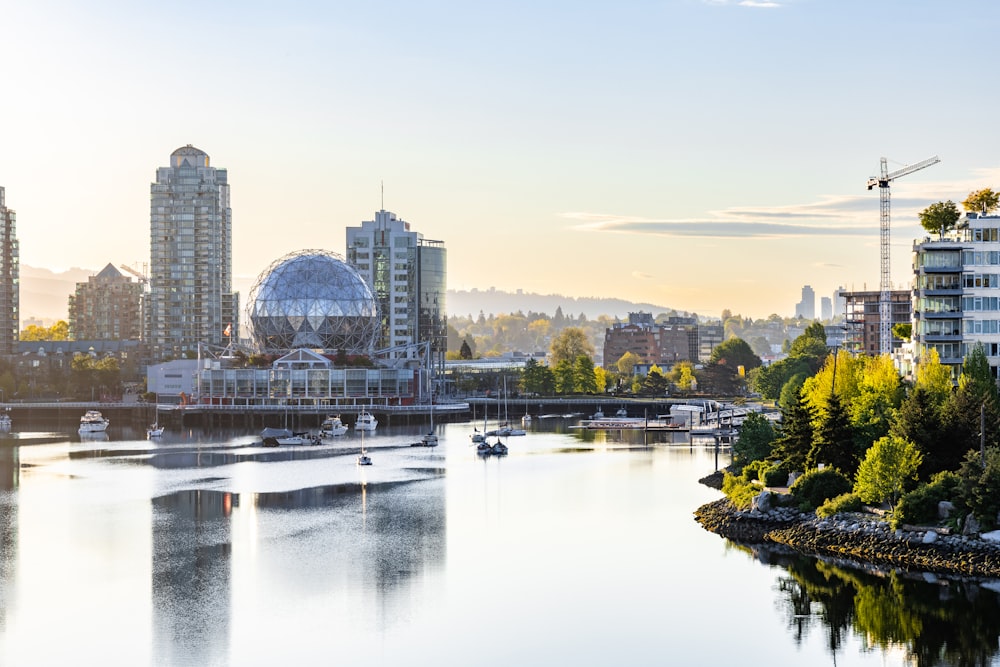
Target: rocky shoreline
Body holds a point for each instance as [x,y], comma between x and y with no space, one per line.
[859,537]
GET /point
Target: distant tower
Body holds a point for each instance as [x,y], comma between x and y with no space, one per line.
[408,277]
[839,302]
[806,308]
[9,280]
[106,307]
[190,298]
[826,308]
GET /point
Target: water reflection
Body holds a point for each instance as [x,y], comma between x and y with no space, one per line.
[222,557]
[932,621]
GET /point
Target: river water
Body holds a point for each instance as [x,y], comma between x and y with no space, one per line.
[577,548]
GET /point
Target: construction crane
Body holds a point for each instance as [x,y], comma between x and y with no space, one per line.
[141,276]
[884,302]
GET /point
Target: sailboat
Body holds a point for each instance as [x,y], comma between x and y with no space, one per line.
[430,438]
[504,427]
[364,459]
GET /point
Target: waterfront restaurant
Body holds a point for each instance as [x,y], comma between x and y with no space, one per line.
[306,378]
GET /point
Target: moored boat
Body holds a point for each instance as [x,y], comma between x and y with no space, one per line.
[366,421]
[154,431]
[332,426]
[93,422]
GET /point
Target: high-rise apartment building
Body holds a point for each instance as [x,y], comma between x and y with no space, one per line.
[9,280]
[806,308]
[106,307]
[190,299]
[956,293]
[408,276]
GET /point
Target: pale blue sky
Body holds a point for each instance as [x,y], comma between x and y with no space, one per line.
[696,154]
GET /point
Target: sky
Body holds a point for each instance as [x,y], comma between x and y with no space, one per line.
[697,154]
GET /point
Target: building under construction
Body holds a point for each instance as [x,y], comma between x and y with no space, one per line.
[862,319]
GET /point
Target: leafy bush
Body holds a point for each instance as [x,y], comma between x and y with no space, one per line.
[776,475]
[739,491]
[751,471]
[920,506]
[817,486]
[845,502]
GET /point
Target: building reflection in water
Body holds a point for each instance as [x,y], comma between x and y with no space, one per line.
[225,565]
[9,476]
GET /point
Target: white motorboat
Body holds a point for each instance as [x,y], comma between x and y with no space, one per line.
[525,420]
[272,437]
[366,421]
[5,422]
[154,431]
[332,427]
[93,422]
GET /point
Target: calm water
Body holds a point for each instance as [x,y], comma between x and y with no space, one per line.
[575,549]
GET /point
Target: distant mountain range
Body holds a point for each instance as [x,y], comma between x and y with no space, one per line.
[45,295]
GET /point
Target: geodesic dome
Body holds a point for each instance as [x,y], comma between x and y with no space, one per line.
[313,299]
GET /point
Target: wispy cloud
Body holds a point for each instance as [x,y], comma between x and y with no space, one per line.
[641,276]
[754,3]
[831,216]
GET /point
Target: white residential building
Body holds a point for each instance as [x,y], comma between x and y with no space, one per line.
[408,277]
[957,292]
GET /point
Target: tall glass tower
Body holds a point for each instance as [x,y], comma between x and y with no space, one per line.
[408,277]
[9,280]
[190,299]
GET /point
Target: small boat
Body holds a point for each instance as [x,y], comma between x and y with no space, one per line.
[430,438]
[5,422]
[598,415]
[476,436]
[364,459]
[622,412]
[272,437]
[498,448]
[484,448]
[332,427]
[93,422]
[366,421]
[525,420]
[154,431]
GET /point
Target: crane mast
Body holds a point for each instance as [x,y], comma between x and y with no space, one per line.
[885,280]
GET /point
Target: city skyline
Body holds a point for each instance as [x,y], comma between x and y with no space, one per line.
[699,155]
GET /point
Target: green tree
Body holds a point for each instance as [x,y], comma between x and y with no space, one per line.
[570,344]
[979,485]
[919,421]
[902,330]
[977,378]
[565,376]
[586,381]
[934,378]
[983,201]
[655,383]
[795,435]
[626,363]
[734,353]
[890,463]
[756,439]
[833,439]
[465,352]
[940,217]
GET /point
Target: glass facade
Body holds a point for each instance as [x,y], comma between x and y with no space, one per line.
[312,299]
